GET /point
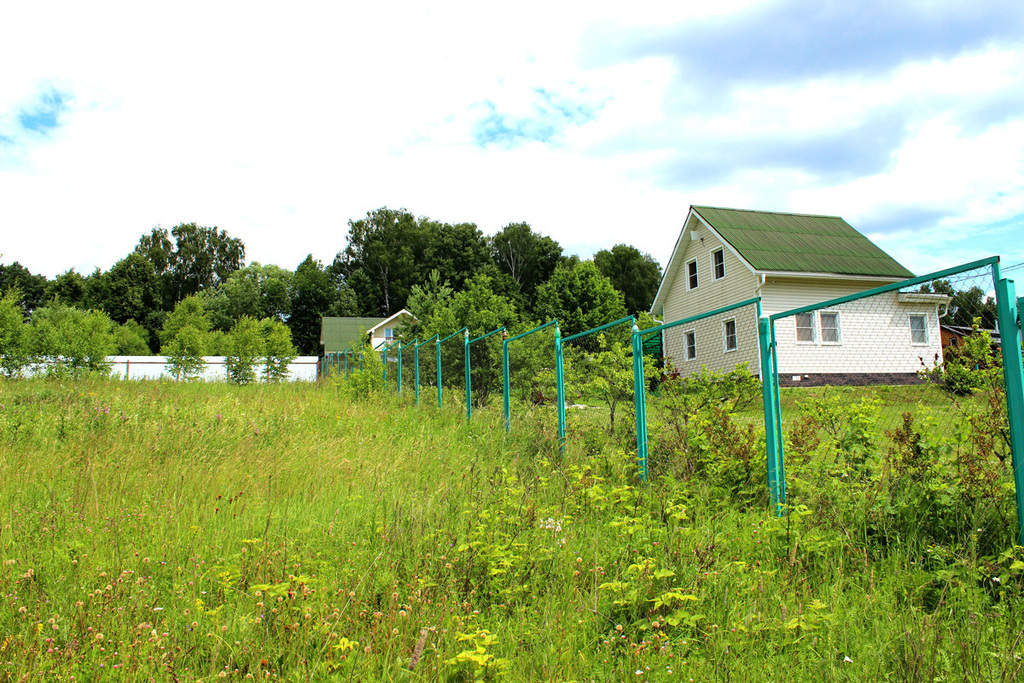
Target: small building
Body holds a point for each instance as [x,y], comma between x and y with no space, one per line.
[953,335]
[724,256]
[344,334]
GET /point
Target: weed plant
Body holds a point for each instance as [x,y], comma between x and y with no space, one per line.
[191,531]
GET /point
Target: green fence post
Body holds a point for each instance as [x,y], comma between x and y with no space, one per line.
[506,390]
[400,345]
[640,402]
[416,365]
[560,388]
[469,388]
[771,440]
[1013,373]
[438,346]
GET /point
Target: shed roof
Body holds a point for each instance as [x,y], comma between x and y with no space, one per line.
[800,243]
[338,334]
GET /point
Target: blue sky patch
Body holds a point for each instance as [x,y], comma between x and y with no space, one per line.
[44,115]
[551,114]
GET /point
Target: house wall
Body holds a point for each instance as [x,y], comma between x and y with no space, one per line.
[874,332]
[681,302]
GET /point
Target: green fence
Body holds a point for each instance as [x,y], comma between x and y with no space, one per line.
[897,376]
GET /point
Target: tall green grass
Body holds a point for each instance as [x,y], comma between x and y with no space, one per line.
[160,531]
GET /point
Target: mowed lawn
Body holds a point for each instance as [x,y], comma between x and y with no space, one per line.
[161,531]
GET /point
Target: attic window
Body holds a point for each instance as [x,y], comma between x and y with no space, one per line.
[691,271]
[718,263]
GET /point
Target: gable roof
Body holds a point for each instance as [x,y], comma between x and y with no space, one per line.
[390,319]
[338,334]
[800,243]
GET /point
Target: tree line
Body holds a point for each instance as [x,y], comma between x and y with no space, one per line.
[392,259]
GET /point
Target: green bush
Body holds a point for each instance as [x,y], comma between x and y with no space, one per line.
[246,347]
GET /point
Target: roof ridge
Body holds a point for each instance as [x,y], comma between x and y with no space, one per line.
[774,213]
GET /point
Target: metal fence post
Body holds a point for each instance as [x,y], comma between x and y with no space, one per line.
[469,389]
[560,388]
[1013,373]
[416,373]
[640,402]
[438,346]
[400,345]
[506,390]
[771,439]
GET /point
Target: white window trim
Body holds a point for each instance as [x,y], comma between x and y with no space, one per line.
[814,330]
[714,273]
[686,346]
[725,336]
[839,329]
[927,333]
[687,265]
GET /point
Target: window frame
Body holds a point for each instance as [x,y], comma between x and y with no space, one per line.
[821,329]
[694,276]
[725,336]
[715,277]
[814,329]
[910,324]
[687,335]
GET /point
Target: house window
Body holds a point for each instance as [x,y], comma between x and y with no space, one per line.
[805,328]
[918,329]
[718,264]
[729,329]
[691,346]
[389,334]
[691,270]
[829,327]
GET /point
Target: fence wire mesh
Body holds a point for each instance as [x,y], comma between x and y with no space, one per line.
[425,361]
[531,370]
[485,368]
[702,392]
[901,391]
[599,389]
[453,370]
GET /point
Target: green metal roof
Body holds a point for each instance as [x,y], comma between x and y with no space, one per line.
[338,334]
[800,243]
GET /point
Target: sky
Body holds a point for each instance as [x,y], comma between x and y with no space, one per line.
[596,123]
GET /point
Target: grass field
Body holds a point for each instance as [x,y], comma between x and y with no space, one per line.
[160,531]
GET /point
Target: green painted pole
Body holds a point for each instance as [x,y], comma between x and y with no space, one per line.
[506,390]
[640,403]
[767,388]
[438,372]
[384,354]
[781,450]
[1013,373]
[416,373]
[469,386]
[560,389]
[399,373]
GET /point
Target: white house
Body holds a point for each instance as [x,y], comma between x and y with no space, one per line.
[384,332]
[725,256]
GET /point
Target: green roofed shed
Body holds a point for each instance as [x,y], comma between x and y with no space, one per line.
[800,243]
[342,334]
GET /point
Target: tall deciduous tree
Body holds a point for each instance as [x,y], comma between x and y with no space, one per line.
[188,313]
[528,258]
[314,294]
[580,297]
[256,291]
[132,289]
[635,274]
[199,258]
[32,287]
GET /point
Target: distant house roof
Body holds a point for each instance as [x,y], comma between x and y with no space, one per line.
[339,334]
[390,319]
[800,243]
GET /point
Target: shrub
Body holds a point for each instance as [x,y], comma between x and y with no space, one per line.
[278,351]
[245,349]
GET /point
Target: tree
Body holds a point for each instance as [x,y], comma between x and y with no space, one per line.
[71,341]
[246,348]
[14,353]
[965,305]
[457,252]
[256,291]
[278,350]
[131,339]
[528,258]
[633,273]
[32,287]
[580,298]
[199,258]
[380,260]
[185,352]
[188,312]
[315,294]
[132,289]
